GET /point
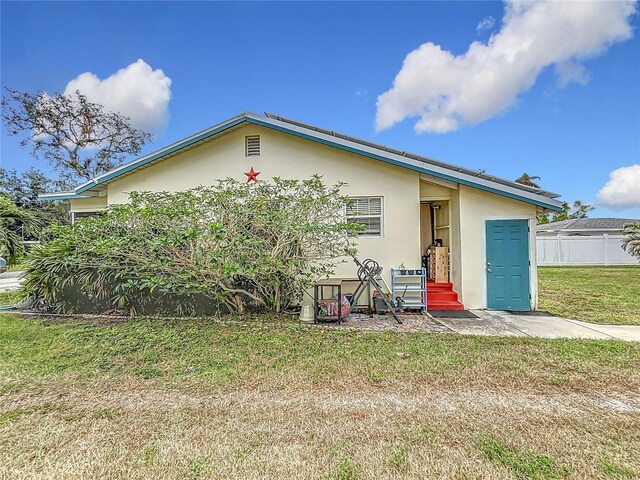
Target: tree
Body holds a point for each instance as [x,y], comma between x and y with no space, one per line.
[11,215]
[631,241]
[23,190]
[526,179]
[79,138]
[542,218]
[568,212]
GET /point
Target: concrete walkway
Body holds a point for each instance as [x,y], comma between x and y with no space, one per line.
[497,323]
[10,281]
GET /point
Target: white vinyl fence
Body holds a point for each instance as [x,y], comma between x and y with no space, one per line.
[576,250]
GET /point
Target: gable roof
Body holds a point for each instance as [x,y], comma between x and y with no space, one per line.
[587,224]
[428,166]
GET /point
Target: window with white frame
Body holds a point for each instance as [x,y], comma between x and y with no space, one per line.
[366,211]
[78,215]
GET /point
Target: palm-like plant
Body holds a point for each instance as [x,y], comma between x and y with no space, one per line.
[528,180]
[12,217]
[631,241]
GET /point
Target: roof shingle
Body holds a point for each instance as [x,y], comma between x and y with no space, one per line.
[587,224]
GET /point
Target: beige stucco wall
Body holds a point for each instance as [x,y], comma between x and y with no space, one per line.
[431,191]
[291,157]
[476,207]
[90,204]
[455,250]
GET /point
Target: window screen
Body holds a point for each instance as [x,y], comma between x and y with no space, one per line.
[366,211]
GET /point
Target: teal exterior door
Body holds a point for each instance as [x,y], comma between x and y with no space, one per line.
[507,265]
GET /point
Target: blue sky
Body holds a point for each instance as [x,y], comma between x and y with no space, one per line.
[327,64]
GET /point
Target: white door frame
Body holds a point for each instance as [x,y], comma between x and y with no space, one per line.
[533,271]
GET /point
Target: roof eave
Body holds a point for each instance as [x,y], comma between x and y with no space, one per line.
[583,230]
[375,152]
[406,156]
[398,160]
[63,195]
[163,152]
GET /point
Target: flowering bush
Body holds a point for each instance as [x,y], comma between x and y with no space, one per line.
[231,247]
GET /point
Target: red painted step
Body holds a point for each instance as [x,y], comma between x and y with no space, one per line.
[443,295]
[445,306]
[439,285]
[440,296]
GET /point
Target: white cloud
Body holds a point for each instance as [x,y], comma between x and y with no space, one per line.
[137,91]
[447,90]
[486,23]
[622,191]
[571,71]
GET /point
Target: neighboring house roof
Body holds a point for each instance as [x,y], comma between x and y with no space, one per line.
[428,166]
[587,224]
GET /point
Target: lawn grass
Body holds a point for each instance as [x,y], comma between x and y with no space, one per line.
[609,295]
[533,466]
[9,298]
[202,348]
[196,398]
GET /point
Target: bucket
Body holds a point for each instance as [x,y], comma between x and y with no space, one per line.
[306,313]
[381,307]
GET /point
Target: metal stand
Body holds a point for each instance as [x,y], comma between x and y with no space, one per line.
[319,297]
[410,286]
[368,273]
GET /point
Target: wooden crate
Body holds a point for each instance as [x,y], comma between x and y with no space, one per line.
[439,264]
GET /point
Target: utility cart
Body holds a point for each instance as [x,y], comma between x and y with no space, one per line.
[411,286]
[327,299]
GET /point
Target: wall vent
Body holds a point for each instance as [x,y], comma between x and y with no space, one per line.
[252,146]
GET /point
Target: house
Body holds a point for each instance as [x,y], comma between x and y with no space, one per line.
[585,227]
[406,201]
[584,241]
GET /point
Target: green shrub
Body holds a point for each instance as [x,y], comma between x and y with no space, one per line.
[12,220]
[231,247]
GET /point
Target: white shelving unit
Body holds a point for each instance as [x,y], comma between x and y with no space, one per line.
[412,287]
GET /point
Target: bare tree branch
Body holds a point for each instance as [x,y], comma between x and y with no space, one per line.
[78,138]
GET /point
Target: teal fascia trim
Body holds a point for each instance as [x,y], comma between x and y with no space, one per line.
[221,128]
[70,196]
[160,154]
[405,165]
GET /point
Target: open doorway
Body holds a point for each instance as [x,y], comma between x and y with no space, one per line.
[435,239]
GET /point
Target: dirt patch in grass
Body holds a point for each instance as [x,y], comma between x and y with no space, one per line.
[198,399]
[609,295]
[134,428]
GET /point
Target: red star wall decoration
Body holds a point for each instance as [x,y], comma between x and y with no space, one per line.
[252,175]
